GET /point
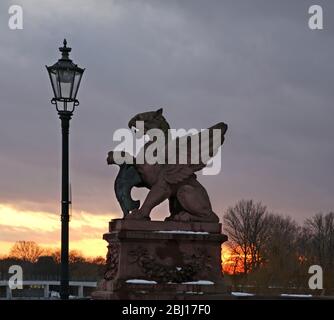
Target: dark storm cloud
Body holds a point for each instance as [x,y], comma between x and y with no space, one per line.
[253,64]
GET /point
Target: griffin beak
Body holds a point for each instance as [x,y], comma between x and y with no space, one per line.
[110,159]
[132,123]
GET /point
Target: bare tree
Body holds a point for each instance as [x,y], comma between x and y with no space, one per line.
[26,251]
[74,256]
[281,251]
[319,237]
[246,224]
[55,254]
[97,260]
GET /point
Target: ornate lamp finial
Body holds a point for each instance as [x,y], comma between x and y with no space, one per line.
[65,51]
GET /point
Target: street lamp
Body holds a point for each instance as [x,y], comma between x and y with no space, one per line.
[65,77]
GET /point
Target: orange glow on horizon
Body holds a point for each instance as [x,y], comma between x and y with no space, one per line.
[232,262]
[86,230]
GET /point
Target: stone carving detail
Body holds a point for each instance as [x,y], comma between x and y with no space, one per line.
[112,261]
[193,264]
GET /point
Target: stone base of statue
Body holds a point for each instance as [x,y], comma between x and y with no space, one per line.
[163,260]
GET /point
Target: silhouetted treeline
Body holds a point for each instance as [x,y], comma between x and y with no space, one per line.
[267,250]
[44,264]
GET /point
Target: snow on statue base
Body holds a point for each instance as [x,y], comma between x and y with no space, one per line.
[162,260]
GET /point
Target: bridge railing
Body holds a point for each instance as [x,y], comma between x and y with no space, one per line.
[46,286]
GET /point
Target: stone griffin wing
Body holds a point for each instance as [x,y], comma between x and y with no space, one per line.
[191,153]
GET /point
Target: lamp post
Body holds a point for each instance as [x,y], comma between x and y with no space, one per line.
[65,77]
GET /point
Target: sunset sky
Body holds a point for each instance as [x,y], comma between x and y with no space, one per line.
[252,64]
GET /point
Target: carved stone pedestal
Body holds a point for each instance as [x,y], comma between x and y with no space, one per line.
[162,260]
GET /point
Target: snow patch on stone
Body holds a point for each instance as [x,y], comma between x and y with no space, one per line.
[140,281]
[296,295]
[181,232]
[242,294]
[199,282]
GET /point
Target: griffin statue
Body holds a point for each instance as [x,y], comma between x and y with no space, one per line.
[172,180]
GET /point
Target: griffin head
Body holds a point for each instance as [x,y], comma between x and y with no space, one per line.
[151,119]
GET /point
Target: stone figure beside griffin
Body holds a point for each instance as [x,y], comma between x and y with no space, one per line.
[171,178]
